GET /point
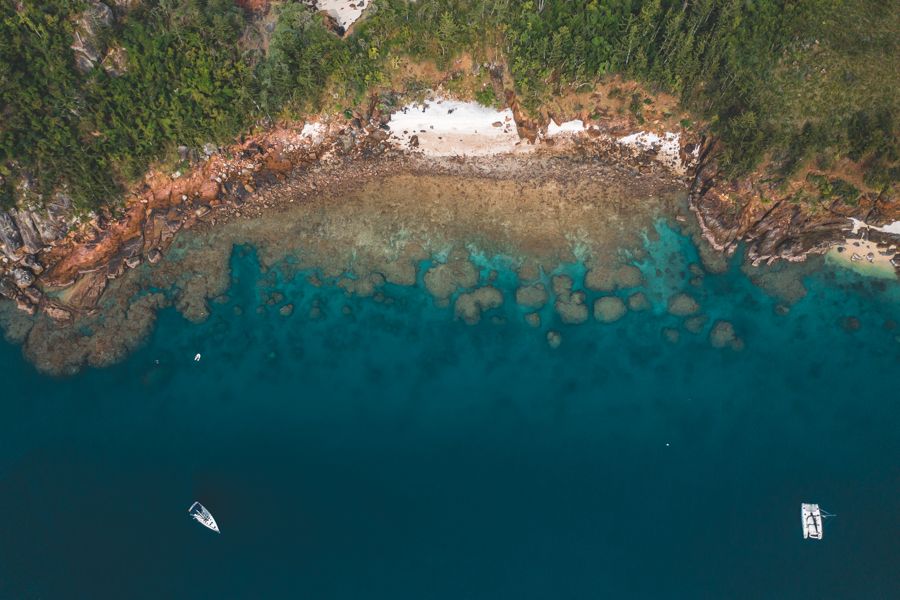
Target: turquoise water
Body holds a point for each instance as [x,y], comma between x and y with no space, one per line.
[396,453]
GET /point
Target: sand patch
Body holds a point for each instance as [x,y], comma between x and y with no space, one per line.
[344,12]
[442,127]
[863,256]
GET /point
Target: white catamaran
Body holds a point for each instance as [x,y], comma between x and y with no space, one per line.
[812,517]
[203,516]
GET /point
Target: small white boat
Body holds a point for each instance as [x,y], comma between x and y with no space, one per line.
[203,516]
[812,516]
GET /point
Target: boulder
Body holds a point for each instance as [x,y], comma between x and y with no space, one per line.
[10,239]
[49,227]
[33,294]
[30,262]
[8,289]
[609,309]
[58,313]
[87,43]
[31,238]
[115,63]
[22,277]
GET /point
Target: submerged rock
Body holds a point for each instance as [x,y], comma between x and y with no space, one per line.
[562,284]
[286,310]
[607,280]
[722,334]
[554,339]
[444,279]
[638,302]
[671,335]
[533,319]
[571,308]
[532,296]
[609,309]
[469,306]
[600,279]
[628,276]
[850,324]
[529,271]
[682,305]
[696,323]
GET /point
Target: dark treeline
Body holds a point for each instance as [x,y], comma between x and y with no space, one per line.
[792,82]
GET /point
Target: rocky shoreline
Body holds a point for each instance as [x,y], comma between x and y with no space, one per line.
[774,226]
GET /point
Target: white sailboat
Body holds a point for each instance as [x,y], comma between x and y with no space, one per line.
[203,516]
[812,516]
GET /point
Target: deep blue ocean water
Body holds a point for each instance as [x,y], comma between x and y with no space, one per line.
[397,453]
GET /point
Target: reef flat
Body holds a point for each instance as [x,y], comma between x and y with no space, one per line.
[562,238]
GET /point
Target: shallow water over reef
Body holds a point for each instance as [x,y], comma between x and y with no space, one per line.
[376,446]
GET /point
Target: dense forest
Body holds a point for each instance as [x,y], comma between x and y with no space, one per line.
[785,83]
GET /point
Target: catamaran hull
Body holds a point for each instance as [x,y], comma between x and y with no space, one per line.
[811,517]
